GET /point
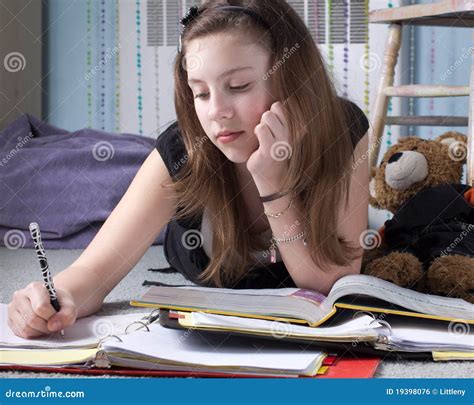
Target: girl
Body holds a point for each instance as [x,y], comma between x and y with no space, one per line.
[261,179]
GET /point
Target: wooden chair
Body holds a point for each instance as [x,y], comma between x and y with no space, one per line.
[452,13]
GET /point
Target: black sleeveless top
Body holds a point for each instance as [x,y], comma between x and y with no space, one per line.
[191,262]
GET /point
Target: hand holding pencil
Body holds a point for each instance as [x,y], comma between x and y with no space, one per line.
[48,281]
[39,309]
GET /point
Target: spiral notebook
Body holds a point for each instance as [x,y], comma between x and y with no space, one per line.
[138,341]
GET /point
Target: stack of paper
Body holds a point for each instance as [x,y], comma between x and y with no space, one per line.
[97,342]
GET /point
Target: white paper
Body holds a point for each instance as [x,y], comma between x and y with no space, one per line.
[194,347]
[361,326]
[450,336]
[85,332]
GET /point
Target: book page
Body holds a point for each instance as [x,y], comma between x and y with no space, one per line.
[404,297]
[47,357]
[84,333]
[272,292]
[361,326]
[293,303]
[412,335]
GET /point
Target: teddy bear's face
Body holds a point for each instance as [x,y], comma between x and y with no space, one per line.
[414,164]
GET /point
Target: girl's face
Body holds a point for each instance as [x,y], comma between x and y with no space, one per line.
[227,78]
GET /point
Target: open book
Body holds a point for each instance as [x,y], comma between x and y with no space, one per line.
[134,341]
[354,292]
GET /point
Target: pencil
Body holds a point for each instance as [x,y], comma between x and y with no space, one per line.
[41,254]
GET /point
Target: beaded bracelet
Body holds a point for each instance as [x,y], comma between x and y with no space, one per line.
[279,214]
[276,241]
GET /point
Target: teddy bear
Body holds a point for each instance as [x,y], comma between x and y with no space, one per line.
[428,245]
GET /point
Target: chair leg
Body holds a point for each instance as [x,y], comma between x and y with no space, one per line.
[470,134]
[379,115]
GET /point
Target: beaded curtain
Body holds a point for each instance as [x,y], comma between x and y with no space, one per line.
[109,62]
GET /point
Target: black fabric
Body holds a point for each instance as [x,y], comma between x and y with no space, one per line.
[357,120]
[433,223]
[191,262]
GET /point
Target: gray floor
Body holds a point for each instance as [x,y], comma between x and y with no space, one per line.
[19,267]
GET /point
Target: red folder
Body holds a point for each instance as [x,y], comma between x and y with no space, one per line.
[346,367]
[338,368]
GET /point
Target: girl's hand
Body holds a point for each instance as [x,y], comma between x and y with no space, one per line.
[30,314]
[269,163]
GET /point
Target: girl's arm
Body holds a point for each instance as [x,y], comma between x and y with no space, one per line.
[127,234]
[124,238]
[352,222]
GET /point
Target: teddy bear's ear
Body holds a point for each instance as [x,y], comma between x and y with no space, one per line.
[451,136]
[408,139]
[457,144]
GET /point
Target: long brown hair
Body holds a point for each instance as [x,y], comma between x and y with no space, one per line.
[320,163]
